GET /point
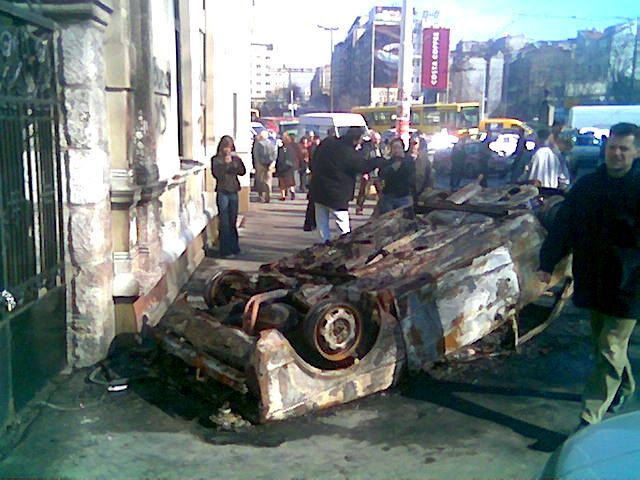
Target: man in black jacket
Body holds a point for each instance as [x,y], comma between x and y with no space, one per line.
[334,168]
[599,222]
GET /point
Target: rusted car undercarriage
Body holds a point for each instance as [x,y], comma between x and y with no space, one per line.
[340,321]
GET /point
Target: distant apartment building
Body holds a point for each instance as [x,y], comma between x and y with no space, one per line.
[267,75]
[537,80]
[479,71]
[606,66]
[596,67]
[365,64]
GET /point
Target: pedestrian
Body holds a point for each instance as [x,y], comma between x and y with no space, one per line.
[286,165]
[603,148]
[303,169]
[546,171]
[565,147]
[398,179]
[484,157]
[520,157]
[556,136]
[368,181]
[226,167]
[263,154]
[334,168]
[458,160]
[424,173]
[599,222]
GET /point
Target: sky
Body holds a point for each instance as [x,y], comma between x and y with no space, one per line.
[292,25]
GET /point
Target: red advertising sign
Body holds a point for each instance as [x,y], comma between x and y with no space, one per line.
[435,58]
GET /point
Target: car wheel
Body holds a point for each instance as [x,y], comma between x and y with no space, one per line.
[226,285]
[333,333]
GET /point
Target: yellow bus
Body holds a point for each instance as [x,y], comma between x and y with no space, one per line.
[427,118]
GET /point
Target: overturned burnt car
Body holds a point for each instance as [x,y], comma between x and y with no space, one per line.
[340,321]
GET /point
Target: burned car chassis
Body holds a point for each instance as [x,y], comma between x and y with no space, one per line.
[337,322]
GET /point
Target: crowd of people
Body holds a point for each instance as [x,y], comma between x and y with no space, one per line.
[599,221]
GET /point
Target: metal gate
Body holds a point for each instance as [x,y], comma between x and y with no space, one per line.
[32,286]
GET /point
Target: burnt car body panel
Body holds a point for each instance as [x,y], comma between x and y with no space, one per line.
[340,321]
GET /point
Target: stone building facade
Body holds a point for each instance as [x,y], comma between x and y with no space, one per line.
[538,77]
[147,94]
[606,66]
[481,70]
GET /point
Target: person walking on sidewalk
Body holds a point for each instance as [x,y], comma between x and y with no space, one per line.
[286,164]
[547,172]
[370,149]
[334,168]
[226,166]
[398,179]
[263,154]
[599,222]
[458,159]
[303,169]
[424,174]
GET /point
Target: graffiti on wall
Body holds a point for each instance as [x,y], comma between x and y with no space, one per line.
[161,83]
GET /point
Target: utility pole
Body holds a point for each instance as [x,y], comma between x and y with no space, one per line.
[330,30]
[405,72]
[636,39]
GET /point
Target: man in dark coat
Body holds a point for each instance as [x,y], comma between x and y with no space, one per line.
[599,222]
[334,168]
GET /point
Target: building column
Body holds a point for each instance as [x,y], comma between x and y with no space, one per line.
[85,152]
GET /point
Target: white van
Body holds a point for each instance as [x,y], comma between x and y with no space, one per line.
[323,123]
[599,118]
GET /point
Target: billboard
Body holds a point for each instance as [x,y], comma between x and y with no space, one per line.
[386,14]
[386,56]
[435,58]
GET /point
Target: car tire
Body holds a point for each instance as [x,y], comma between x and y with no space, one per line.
[226,285]
[334,334]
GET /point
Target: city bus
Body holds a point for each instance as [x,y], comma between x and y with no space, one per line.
[427,118]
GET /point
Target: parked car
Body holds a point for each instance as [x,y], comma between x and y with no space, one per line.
[474,151]
[339,321]
[610,449]
[586,150]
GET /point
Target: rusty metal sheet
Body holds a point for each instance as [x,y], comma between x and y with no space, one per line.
[289,386]
[463,306]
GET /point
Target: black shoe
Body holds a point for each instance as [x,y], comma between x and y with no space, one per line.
[292,195]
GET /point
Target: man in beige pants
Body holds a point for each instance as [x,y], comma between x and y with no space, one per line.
[599,222]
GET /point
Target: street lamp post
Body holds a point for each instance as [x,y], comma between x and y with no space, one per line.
[330,30]
[405,71]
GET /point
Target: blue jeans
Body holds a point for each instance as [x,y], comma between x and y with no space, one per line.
[227,219]
[389,202]
[324,215]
